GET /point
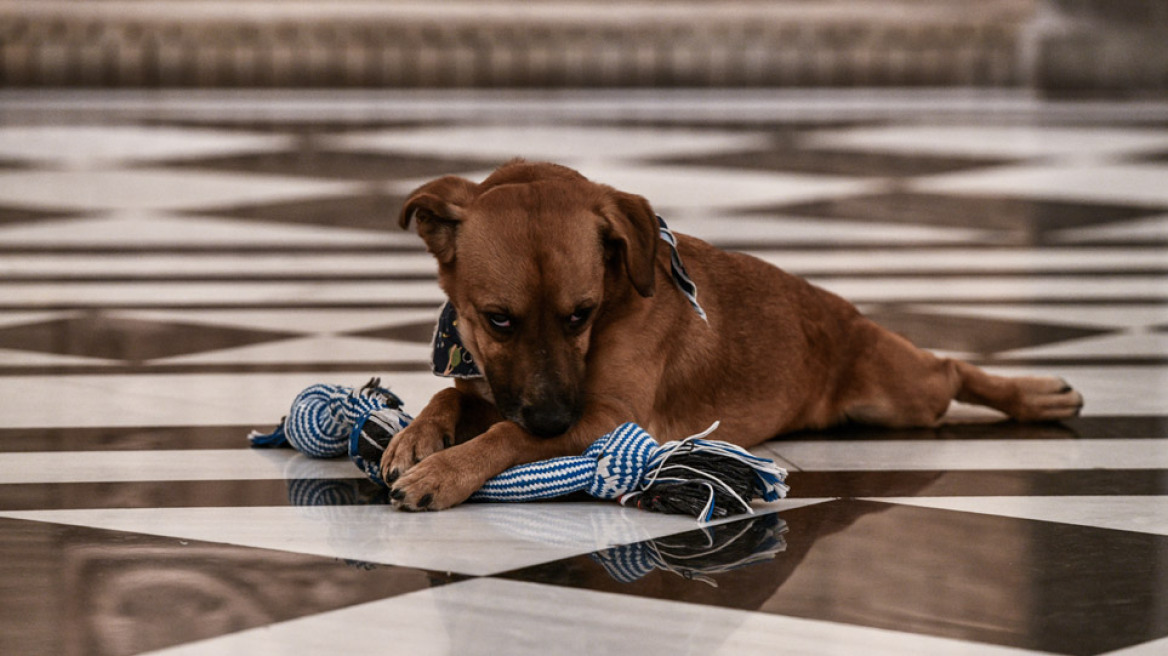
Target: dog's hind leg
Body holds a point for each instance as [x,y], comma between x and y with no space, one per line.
[893,383]
[1035,398]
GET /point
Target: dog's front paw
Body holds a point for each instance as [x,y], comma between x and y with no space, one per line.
[416,442]
[435,483]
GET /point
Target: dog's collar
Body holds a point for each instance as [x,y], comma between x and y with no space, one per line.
[450,359]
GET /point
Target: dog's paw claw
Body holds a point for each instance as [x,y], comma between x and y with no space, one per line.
[417,442]
[436,483]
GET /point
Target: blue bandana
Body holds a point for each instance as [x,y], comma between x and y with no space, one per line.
[450,359]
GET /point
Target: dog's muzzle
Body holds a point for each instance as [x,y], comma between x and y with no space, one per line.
[547,420]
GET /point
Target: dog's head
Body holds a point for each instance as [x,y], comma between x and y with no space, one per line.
[534,260]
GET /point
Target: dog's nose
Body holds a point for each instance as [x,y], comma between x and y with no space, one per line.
[547,420]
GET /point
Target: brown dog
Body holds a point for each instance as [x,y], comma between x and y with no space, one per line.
[567,303]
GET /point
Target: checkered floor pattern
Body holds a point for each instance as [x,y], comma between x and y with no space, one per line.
[176,268]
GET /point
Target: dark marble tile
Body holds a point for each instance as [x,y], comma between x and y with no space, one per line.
[981,336]
[372,211]
[1094,427]
[1155,158]
[117,438]
[1034,585]
[345,165]
[101,336]
[192,494]
[1090,482]
[792,159]
[1021,220]
[421,332]
[10,215]
[76,590]
[288,126]
[232,276]
[363,369]
[149,494]
[681,566]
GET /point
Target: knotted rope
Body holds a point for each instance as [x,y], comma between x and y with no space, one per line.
[705,478]
[320,422]
[695,476]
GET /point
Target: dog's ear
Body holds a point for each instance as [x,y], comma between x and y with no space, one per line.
[436,208]
[632,230]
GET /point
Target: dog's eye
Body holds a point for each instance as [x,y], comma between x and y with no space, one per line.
[499,321]
[579,317]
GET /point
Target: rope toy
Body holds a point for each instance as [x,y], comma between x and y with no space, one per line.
[694,476]
[320,423]
[703,478]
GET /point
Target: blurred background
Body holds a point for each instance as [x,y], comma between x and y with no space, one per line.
[1092,48]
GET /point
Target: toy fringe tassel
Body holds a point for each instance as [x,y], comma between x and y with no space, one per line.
[704,478]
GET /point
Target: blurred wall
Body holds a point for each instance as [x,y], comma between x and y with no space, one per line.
[1060,45]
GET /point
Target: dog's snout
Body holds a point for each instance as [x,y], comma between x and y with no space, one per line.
[549,419]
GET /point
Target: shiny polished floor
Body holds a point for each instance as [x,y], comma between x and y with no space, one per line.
[175,268]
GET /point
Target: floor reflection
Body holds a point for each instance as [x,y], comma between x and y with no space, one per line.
[967,576]
[74,590]
[699,555]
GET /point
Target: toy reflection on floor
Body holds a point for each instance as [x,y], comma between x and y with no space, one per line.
[699,555]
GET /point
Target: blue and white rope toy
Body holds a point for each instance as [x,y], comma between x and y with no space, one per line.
[629,466]
[696,476]
[320,423]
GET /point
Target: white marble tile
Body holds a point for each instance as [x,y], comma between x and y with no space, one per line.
[1103,316]
[245,294]
[77,146]
[150,189]
[1133,344]
[670,188]
[1021,141]
[956,260]
[1067,287]
[764,106]
[1144,514]
[782,230]
[181,399]
[1151,228]
[476,539]
[1108,390]
[1131,184]
[185,465]
[684,186]
[971,455]
[496,616]
[147,228]
[16,318]
[21,358]
[317,349]
[563,143]
[308,320]
[83,265]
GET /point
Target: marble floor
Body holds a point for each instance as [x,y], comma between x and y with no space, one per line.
[174,268]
